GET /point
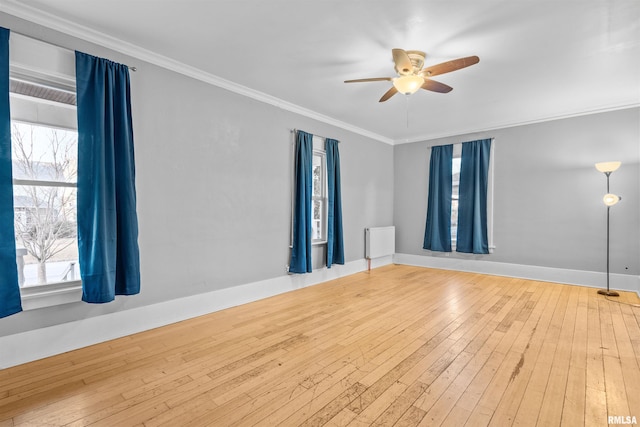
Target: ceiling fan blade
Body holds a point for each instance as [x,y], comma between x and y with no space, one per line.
[447,67]
[402,61]
[373,79]
[435,86]
[388,94]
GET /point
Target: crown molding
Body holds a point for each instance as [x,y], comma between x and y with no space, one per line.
[604,109]
[45,19]
[53,22]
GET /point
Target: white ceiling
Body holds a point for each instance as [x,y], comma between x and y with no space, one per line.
[539,60]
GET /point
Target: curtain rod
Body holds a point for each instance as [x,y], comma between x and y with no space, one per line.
[493,138]
[294,130]
[134,69]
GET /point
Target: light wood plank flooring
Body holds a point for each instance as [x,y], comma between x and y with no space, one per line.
[399,345]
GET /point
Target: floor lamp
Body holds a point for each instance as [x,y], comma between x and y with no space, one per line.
[609,200]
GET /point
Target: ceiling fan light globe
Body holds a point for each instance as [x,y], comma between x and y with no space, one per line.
[408,85]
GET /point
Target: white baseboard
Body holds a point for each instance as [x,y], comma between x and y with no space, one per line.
[40,343]
[621,282]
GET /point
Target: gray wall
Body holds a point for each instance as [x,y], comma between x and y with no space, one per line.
[214,187]
[548,208]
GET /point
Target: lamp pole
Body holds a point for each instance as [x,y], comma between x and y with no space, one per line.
[608,292]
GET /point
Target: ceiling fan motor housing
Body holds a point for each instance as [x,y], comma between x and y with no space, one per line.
[417,60]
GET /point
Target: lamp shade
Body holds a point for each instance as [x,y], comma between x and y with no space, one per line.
[611,199]
[408,84]
[607,166]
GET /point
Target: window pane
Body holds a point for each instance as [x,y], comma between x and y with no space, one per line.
[318,196]
[45,226]
[455,192]
[317,175]
[45,215]
[454,220]
[316,223]
[43,153]
[455,170]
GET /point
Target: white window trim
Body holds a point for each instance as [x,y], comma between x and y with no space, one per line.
[457,154]
[46,64]
[41,62]
[34,297]
[324,197]
[53,293]
[490,194]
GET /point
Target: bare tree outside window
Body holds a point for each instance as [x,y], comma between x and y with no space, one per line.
[44,172]
[319,196]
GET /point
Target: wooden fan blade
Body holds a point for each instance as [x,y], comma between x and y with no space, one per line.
[373,79]
[402,61]
[435,86]
[447,67]
[388,94]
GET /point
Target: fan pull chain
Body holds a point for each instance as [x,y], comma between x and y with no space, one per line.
[407,109]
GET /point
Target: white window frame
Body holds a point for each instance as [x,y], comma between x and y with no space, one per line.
[455,195]
[48,65]
[321,197]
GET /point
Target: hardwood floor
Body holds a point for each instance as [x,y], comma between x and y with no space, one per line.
[402,346]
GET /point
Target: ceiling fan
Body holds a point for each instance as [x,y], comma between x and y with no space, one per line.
[411,75]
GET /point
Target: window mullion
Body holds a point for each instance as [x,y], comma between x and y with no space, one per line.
[41,183]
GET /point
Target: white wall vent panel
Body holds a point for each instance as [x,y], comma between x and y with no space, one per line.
[379,241]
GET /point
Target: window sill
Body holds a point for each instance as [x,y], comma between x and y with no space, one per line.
[453,248]
[314,243]
[34,297]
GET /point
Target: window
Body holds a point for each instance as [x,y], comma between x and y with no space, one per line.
[455,191]
[44,142]
[455,195]
[44,162]
[319,197]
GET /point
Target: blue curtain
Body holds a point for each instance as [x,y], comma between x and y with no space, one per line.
[301,249]
[9,288]
[107,220]
[335,246]
[472,204]
[437,233]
